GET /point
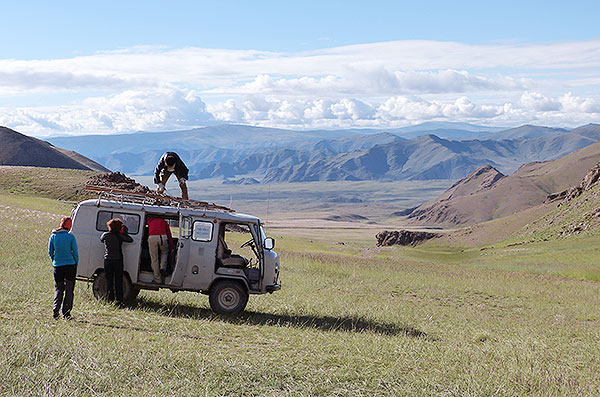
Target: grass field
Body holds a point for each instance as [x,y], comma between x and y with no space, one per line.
[351,319]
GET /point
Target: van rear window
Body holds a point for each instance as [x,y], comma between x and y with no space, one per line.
[132,221]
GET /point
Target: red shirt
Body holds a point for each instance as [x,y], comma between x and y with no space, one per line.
[158,227]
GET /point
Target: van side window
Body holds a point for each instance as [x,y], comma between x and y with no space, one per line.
[202,231]
[132,221]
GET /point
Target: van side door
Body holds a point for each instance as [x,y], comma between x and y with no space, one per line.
[183,250]
[202,248]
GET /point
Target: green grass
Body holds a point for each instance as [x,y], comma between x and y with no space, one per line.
[65,184]
[350,320]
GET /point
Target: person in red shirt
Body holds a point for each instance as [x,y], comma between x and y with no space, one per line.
[159,243]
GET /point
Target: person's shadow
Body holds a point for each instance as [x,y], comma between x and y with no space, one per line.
[323,323]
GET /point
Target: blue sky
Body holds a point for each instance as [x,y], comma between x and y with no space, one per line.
[46,29]
[102,67]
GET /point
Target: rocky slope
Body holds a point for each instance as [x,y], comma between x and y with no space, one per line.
[486,194]
[577,211]
[403,237]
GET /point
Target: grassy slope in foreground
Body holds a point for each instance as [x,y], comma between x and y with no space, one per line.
[350,320]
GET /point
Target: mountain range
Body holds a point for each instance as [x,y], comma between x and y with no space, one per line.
[427,151]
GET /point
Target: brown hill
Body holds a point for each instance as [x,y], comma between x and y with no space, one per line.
[22,150]
[486,194]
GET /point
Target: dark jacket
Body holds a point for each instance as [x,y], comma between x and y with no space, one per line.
[181,171]
[112,244]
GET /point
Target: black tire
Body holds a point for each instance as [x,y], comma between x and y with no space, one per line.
[228,297]
[100,292]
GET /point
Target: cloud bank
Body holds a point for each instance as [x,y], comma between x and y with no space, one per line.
[379,85]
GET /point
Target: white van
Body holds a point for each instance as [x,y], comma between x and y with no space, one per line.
[204,235]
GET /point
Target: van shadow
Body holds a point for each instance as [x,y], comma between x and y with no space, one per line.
[323,323]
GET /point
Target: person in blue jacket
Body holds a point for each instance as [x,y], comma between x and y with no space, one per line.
[62,248]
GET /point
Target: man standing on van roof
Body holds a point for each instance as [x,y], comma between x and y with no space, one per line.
[171,163]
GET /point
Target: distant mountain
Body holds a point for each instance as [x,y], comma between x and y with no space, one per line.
[133,153]
[431,157]
[228,137]
[486,194]
[276,155]
[22,150]
[523,132]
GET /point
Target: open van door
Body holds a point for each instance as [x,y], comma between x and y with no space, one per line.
[183,250]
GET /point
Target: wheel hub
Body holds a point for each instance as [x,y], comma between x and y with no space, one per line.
[229,298]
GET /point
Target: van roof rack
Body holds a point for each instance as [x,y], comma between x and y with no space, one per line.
[153,198]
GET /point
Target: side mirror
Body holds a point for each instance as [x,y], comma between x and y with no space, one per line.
[269,243]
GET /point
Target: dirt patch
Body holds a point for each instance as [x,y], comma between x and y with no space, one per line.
[403,237]
[117,180]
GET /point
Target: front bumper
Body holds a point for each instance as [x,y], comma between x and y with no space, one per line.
[272,288]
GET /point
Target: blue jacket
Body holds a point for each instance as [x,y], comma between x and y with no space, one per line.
[62,248]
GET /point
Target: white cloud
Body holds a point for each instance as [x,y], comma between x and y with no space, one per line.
[540,102]
[380,85]
[403,66]
[155,109]
[405,108]
[377,82]
[170,108]
[575,104]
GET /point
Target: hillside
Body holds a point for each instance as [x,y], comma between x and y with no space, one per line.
[576,210]
[427,322]
[485,195]
[57,183]
[21,150]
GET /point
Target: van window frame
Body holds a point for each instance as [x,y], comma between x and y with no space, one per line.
[105,229]
[212,230]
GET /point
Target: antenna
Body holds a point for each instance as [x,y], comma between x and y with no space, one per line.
[268,200]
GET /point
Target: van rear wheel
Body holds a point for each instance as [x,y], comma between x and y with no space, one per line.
[101,293]
[228,297]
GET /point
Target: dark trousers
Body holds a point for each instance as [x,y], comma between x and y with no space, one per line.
[64,285]
[113,269]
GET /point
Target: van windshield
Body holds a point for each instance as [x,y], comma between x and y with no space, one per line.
[263,235]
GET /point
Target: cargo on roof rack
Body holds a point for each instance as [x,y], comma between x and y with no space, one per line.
[153,199]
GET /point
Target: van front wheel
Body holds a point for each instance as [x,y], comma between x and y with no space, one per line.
[228,297]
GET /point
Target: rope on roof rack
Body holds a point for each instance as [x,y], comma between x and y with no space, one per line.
[152,199]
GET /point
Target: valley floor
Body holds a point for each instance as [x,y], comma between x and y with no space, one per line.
[351,319]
